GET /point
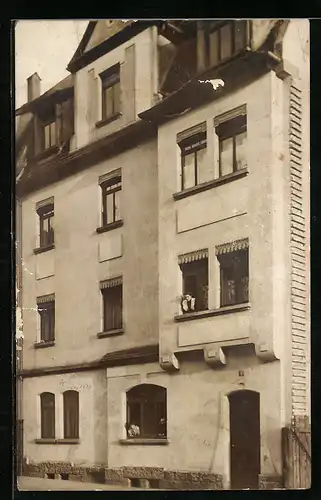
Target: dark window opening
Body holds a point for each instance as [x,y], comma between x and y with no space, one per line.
[234,273]
[225,41]
[50,475]
[135,482]
[46,311]
[71,414]
[46,218]
[193,160]
[47,404]
[64,476]
[113,307]
[110,80]
[232,136]
[111,199]
[146,412]
[195,285]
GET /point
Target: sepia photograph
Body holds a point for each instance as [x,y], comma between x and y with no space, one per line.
[162,201]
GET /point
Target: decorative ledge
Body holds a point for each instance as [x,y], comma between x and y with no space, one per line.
[213,312]
[110,333]
[43,249]
[40,345]
[109,227]
[142,441]
[56,441]
[105,121]
[211,184]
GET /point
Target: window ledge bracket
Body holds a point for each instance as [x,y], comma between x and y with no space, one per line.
[213,312]
[199,188]
[43,249]
[144,441]
[109,227]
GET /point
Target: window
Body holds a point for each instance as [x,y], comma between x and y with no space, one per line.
[71,414]
[47,404]
[193,160]
[50,134]
[226,40]
[110,81]
[194,269]
[234,273]
[49,131]
[46,217]
[112,295]
[111,194]
[146,412]
[232,135]
[46,311]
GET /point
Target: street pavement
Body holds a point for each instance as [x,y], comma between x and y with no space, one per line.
[25,483]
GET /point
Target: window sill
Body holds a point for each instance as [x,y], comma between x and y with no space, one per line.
[47,152]
[110,119]
[47,343]
[144,441]
[213,312]
[56,441]
[109,227]
[110,333]
[43,249]
[211,184]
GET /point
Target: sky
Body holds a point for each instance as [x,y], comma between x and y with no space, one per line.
[45,47]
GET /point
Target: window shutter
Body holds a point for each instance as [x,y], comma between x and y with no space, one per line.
[67,120]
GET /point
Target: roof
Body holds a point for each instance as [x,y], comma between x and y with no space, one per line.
[64,85]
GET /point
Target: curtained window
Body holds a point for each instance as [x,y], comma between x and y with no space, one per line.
[46,311]
[71,414]
[111,199]
[146,412]
[47,403]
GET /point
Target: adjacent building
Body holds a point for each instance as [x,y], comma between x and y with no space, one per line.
[165,247]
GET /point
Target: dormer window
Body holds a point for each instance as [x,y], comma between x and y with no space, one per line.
[49,134]
[110,85]
[226,40]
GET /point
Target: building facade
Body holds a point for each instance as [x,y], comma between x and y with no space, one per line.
[165,244]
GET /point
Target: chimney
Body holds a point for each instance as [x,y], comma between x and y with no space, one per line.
[33,83]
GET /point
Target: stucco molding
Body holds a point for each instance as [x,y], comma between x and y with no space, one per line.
[169,362]
[214,357]
[265,351]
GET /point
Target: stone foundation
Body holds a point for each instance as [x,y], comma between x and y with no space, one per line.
[270,482]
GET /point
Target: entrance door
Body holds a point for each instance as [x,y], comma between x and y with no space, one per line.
[244,439]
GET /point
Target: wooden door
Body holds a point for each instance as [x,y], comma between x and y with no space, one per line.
[244,439]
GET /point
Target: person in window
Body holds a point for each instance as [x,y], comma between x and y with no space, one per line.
[187,303]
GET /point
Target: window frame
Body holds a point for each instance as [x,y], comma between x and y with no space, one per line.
[217,28]
[46,238]
[155,396]
[115,306]
[190,146]
[109,79]
[71,414]
[46,311]
[47,427]
[190,269]
[240,270]
[108,190]
[230,129]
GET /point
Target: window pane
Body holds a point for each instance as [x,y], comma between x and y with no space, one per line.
[71,414]
[110,208]
[226,41]
[226,156]
[240,144]
[117,205]
[239,35]
[204,167]
[112,298]
[47,136]
[108,111]
[195,283]
[189,171]
[53,133]
[213,42]
[116,88]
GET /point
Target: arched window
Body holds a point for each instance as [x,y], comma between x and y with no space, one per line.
[47,404]
[71,414]
[146,412]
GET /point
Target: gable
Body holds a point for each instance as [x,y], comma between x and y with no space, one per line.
[104,29]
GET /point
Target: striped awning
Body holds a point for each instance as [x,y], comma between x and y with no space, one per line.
[232,246]
[186,258]
[109,175]
[111,282]
[229,115]
[197,129]
[44,203]
[46,298]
